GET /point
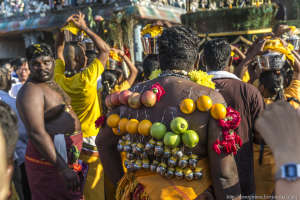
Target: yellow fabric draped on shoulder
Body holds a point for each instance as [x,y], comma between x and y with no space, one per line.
[293,91]
[82,89]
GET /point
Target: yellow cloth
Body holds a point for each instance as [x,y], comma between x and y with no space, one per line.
[264,174]
[293,91]
[82,88]
[246,77]
[121,87]
[94,186]
[161,188]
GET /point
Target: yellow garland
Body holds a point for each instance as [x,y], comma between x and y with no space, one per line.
[202,78]
[276,45]
[113,55]
[153,31]
[199,77]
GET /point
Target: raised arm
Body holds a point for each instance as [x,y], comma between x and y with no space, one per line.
[102,46]
[30,104]
[254,50]
[132,68]
[238,52]
[60,45]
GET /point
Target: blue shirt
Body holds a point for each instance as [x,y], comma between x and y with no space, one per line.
[23,138]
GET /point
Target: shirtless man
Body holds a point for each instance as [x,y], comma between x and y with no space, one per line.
[178,48]
[45,110]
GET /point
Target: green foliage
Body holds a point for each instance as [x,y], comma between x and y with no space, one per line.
[229,20]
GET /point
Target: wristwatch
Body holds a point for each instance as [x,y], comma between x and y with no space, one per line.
[289,172]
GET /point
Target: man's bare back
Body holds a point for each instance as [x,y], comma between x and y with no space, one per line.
[177,89]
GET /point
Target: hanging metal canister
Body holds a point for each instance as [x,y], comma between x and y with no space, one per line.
[179,173]
[172,162]
[183,161]
[158,149]
[198,173]
[193,159]
[170,172]
[154,165]
[188,174]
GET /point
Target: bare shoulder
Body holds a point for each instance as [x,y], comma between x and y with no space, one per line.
[28,92]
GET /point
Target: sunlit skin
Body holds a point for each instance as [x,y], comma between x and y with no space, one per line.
[42,69]
[23,72]
[41,109]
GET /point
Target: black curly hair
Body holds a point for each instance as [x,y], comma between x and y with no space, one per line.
[275,81]
[216,54]
[109,81]
[37,50]
[178,48]
[9,126]
[150,63]
[5,80]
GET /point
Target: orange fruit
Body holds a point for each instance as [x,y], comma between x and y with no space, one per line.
[204,103]
[122,125]
[144,127]
[116,131]
[132,126]
[218,111]
[113,120]
[187,106]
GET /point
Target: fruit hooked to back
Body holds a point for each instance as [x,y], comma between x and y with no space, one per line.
[187,106]
[134,100]
[158,130]
[148,98]
[204,103]
[123,97]
[179,125]
[113,120]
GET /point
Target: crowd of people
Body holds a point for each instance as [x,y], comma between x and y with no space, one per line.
[73,128]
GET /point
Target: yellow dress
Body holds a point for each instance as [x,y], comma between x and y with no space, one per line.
[82,88]
[265,173]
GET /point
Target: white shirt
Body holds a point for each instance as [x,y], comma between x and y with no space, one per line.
[15,89]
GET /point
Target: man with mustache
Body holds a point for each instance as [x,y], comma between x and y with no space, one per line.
[45,111]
